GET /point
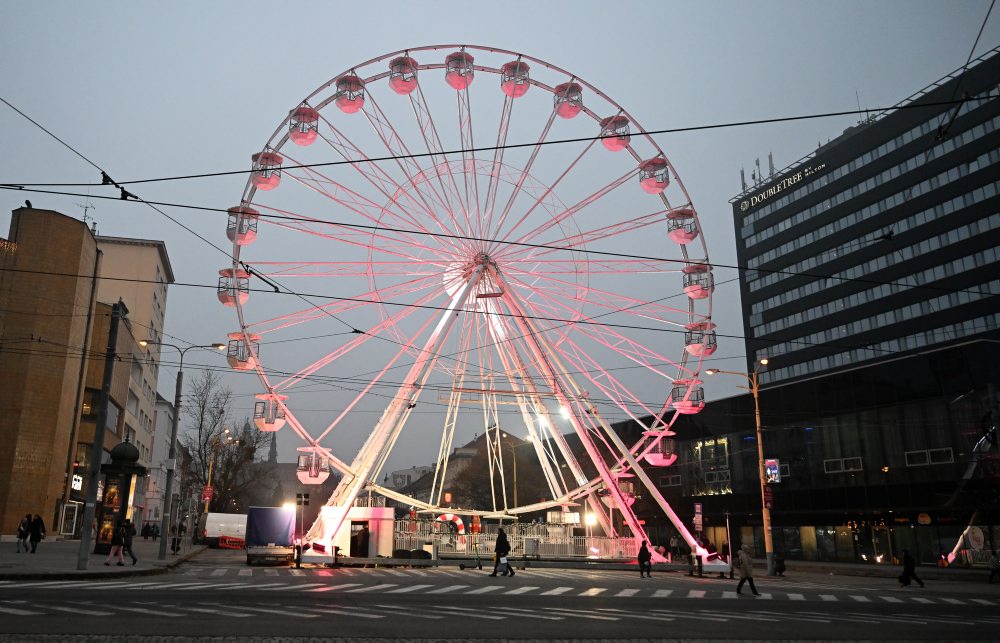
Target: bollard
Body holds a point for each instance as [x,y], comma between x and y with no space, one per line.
[298,555]
[700,566]
[691,564]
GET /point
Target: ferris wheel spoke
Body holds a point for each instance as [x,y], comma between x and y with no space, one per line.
[407,163]
[532,235]
[607,232]
[525,172]
[537,266]
[468,144]
[494,178]
[341,269]
[432,141]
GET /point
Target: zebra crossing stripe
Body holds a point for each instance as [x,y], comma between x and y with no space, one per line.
[894,619]
[581,614]
[297,572]
[797,597]
[891,599]
[244,572]
[17,612]
[372,588]
[828,597]
[696,593]
[645,617]
[329,588]
[413,588]
[325,611]
[925,601]
[269,587]
[526,613]
[407,612]
[593,591]
[557,591]
[627,592]
[466,611]
[149,612]
[486,589]
[982,601]
[520,590]
[222,571]
[953,601]
[324,572]
[226,612]
[861,599]
[730,595]
[662,593]
[448,589]
[264,610]
[75,610]
[270,572]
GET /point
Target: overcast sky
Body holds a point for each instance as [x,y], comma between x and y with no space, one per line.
[161,89]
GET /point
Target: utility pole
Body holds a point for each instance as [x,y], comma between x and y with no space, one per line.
[118,311]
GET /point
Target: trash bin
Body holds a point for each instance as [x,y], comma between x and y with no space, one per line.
[531,547]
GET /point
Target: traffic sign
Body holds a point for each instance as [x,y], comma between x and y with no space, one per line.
[207,493]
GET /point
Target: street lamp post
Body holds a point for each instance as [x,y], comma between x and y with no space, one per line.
[168,491]
[765,511]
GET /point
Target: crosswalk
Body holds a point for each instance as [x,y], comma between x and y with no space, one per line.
[443,584]
[382,609]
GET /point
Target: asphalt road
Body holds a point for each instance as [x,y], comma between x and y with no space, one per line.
[216,594]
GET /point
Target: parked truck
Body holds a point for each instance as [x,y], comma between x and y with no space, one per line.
[217,529]
[270,535]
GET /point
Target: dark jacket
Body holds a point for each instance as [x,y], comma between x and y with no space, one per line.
[129,531]
[37,529]
[909,565]
[118,537]
[503,545]
[644,555]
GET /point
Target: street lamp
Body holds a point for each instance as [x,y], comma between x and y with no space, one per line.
[765,511]
[168,491]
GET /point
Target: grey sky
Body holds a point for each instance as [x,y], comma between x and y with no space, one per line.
[157,89]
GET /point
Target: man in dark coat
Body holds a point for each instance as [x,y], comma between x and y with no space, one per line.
[37,532]
[501,550]
[644,557]
[909,570]
[127,535]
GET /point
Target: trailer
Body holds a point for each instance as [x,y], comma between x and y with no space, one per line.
[270,535]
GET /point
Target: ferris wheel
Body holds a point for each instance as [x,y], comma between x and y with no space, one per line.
[467,238]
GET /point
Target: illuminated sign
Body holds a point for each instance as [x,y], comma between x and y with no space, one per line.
[77,483]
[772,470]
[777,188]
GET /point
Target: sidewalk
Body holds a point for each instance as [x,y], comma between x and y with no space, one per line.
[57,559]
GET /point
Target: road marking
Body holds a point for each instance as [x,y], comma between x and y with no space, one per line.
[372,588]
[730,595]
[712,615]
[297,572]
[270,572]
[520,590]
[305,586]
[631,615]
[76,610]
[220,572]
[326,611]
[982,601]
[925,601]
[593,591]
[408,612]
[627,592]
[17,612]
[953,601]
[579,614]
[527,613]
[557,591]
[244,572]
[839,617]
[52,583]
[413,588]
[803,617]
[291,611]
[696,593]
[797,597]
[662,593]
[150,612]
[486,589]
[828,597]
[449,588]
[270,587]
[891,599]
[883,617]
[224,612]
[330,588]
[861,599]
[467,611]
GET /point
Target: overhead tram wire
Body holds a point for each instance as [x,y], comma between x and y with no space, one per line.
[491,148]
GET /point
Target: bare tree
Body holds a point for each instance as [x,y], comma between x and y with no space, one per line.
[219,446]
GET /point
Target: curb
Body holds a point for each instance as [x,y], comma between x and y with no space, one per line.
[104,575]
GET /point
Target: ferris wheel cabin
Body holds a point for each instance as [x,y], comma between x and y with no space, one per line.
[403,75]
[514,78]
[698,280]
[682,226]
[303,125]
[654,176]
[458,70]
[268,415]
[234,285]
[699,339]
[568,99]
[240,353]
[312,468]
[350,96]
[266,170]
[615,133]
[241,228]
[664,453]
[687,396]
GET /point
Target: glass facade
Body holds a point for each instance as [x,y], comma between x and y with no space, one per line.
[881,243]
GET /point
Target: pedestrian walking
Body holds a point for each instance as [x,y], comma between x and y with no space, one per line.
[127,535]
[501,550]
[176,535]
[117,542]
[36,532]
[645,558]
[23,532]
[146,529]
[675,546]
[995,567]
[745,563]
[155,531]
[909,570]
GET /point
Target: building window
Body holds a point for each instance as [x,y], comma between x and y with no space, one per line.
[833,466]
[853,464]
[670,481]
[929,456]
[941,456]
[785,470]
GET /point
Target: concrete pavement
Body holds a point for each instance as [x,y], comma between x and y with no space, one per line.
[57,559]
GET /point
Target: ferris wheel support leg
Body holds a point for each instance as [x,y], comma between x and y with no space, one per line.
[393,418]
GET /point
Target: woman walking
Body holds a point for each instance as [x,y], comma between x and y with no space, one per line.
[644,558]
[37,532]
[909,570]
[745,562]
[117,544]
[23,531]
[501,550]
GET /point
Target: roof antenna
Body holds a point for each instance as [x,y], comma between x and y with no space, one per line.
[87,207]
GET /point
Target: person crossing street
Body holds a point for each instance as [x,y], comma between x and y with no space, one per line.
[501,550]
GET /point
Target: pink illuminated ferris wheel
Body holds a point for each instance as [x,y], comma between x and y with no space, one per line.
[479,243]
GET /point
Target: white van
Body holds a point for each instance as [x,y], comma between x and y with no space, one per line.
[212,526]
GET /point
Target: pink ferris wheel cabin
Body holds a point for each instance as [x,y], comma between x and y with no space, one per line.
[266,170]
[241,228]
[682,225]
[699,338]
[350,96]
[615,133]
[458,70]
[234,285]
[687,396]
[242,350]
[303,125]
[568,99]
[514,78]
[698,280]
[403,75]
[654,176]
